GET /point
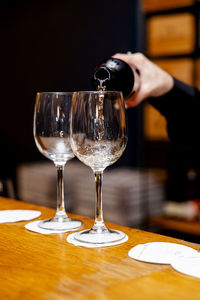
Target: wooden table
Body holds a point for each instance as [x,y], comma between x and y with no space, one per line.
[35,266]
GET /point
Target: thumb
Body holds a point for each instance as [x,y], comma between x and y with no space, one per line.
[136,99]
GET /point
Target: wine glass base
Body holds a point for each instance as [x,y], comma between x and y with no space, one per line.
[91,236]
[60,224]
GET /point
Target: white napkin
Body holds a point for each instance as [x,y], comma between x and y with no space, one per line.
[188,266]
[15,215]
[160,252]
[33,226]
[70,239]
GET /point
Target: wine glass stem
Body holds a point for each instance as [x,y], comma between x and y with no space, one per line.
[99,222]
[60,191]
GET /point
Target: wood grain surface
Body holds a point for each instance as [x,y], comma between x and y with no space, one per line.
[35,266]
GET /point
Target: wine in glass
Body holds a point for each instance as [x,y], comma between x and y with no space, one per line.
[98,138]
[52,137]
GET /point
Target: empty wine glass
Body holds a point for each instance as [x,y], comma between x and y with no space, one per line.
[98,138]
[52,137]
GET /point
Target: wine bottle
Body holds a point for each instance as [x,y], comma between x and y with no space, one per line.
[114,74]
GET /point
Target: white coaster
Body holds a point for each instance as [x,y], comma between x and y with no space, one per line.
[33,226]
[160,252]
[16,215]
[70,239]
[188,266]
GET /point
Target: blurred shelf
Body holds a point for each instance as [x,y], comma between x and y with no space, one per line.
[157,5]
[183,226]
[171,34]
[173,43]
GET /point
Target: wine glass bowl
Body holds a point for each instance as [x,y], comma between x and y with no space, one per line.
[52,137]
[98,139]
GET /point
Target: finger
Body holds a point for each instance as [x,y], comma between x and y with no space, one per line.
[136,99]
[124,57]
[128,58]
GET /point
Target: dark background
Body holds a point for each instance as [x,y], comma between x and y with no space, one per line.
[54,46]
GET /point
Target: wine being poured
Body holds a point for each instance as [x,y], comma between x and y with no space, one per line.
[98,139]
[99,119]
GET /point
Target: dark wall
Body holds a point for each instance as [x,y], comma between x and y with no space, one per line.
[54,46]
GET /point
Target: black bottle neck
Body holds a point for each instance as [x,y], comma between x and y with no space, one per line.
[114,74]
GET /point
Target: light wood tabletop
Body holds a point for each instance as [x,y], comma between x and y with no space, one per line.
[36,266]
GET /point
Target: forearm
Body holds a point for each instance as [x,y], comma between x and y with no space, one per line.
[181,107]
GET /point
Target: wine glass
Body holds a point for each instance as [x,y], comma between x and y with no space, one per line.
[98,134]
[52,137]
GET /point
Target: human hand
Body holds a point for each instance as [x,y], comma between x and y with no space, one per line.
[154,81]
